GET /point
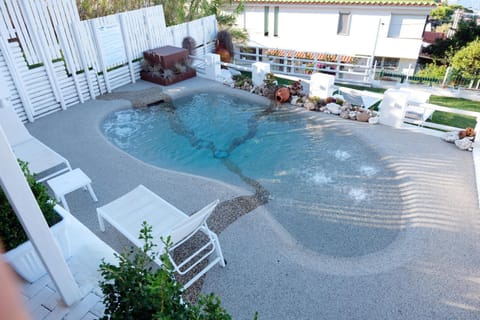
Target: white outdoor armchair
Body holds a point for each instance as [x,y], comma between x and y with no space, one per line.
[41,159]
[128,212]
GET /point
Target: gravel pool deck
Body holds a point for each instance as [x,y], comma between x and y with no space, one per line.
[430,271]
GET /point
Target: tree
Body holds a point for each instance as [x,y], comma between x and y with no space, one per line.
[467,61]
[444,49]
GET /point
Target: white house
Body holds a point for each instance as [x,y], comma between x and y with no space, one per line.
[390,30]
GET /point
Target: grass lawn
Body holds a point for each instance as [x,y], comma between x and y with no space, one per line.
[440,117]
[451,119]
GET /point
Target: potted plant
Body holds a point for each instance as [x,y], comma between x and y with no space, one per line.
[133,289]
[20,253]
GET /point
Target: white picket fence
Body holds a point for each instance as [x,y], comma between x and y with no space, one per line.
[51,60]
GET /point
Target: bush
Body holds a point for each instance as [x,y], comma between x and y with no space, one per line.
[133,290]
[432,71]
[11,231]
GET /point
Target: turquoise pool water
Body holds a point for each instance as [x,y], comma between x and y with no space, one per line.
[330,191]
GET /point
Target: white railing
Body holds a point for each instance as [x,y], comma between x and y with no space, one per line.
[347,69]
[440,127]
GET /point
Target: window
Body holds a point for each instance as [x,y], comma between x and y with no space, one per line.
[406,26]
[343,23]
[387,63]
[275,21]
[265,21]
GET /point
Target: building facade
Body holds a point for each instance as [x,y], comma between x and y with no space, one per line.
[389,30]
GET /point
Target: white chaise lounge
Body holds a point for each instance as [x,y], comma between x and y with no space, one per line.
[128,212]
[42,160]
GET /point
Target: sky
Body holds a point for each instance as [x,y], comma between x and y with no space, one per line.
[470,4]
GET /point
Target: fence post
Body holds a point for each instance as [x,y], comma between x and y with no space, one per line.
[93,28]
[76,35]
[69,62]
[127,45]
[147,26]
[337,67]
[445,78]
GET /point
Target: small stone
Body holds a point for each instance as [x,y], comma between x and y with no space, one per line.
[344,114]
[294,100]
[362,116]
[333,108]
[352,115]
[374,120]
[464,144]
[451,136]
[309,105]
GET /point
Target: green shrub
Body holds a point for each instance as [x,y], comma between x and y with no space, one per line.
[11,231]
[134,290]
[432,71]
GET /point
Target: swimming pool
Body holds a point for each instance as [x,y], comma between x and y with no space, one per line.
[328,189]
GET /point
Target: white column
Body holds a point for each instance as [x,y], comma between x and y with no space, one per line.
[259,71]
[212,66]
[321,85]
[392,108]
[28,212]
[23,202]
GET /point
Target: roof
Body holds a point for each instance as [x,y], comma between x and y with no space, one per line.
[419,3]
[430,37]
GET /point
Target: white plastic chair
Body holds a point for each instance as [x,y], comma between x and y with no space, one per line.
[40,158]
[128,212]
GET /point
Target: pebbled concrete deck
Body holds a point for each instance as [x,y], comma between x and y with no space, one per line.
[430,272]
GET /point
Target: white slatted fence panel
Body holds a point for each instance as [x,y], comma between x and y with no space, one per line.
[80,76]
[43,23]
[21,30]
[156,27]
[6,22]
[14,96]
[195,30]
[136,35]
[177,33]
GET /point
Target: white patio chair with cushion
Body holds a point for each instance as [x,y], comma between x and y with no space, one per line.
[128,212]
[41,159]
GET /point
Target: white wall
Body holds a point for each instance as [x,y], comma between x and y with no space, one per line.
[314,28]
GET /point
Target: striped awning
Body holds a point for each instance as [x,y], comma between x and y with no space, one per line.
[309,55]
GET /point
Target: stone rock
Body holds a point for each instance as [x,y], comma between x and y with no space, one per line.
[294,100]
[464,144]
[451,136]
[363,116]
[333,108]
[323,109]
[374,120]
[309,105]
[352,115]
[344,114]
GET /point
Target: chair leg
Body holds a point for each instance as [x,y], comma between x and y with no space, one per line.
[101,222]
[92,194]
[218,249]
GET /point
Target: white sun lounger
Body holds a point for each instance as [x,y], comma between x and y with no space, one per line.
[128,212]
[41,159]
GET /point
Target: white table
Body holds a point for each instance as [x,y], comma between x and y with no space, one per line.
[68,182]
